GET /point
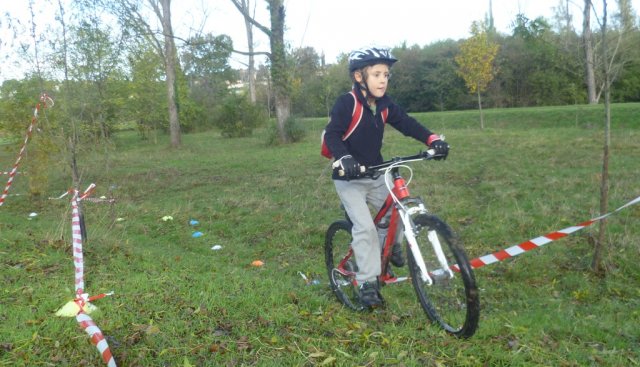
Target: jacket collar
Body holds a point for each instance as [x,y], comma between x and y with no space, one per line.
[381,103]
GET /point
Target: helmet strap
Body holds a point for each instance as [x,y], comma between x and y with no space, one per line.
[363,86]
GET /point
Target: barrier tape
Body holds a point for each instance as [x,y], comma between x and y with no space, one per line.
[97,338]
[45,101]
[82,299]
[540,241]
[100,200]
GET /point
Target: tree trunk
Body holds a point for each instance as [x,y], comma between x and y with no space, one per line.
[480,109]
[587,40]
[597,263]
[251,67]
[279,73]
[170,63]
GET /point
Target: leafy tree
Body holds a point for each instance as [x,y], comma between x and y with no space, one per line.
[145,100]
[408,73]
[625,65]
[132,16]
[94,60]
[535,69]
[475,62]
[447,89]
[426,79]
[335,81]
[208,73]
[307,83]
[16,112]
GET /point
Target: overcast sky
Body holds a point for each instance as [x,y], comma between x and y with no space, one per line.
[338,26]
[331,27]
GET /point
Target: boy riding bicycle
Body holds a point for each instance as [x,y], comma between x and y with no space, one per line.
[357,141]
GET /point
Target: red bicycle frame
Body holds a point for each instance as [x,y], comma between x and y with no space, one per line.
[400,191]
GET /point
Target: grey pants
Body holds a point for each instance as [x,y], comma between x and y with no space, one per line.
[356,196]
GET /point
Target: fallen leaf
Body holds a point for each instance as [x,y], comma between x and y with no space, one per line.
[328,361]
[257,263]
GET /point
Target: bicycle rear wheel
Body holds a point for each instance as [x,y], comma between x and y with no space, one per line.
[341,264]
[451,302]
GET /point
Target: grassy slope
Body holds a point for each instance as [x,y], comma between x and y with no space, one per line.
[177,302]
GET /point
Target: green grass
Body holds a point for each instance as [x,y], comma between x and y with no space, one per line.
[179,303]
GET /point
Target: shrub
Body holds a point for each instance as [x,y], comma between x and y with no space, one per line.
[294,130]
[238,117]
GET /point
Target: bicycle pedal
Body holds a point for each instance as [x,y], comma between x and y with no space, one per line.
[389,280]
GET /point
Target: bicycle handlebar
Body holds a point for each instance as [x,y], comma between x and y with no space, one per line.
[427,155]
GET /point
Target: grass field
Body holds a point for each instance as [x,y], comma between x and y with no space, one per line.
[177,302]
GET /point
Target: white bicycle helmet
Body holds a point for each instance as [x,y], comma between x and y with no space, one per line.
[358,59]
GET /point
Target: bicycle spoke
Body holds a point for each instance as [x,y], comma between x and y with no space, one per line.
[340,267]
[451,301]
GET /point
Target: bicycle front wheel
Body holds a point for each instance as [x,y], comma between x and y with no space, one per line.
[450,301]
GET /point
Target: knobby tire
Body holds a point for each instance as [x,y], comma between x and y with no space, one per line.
[452,303]
[336,246]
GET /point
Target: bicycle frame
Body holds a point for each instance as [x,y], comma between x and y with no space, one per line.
[397,202]
[402,207]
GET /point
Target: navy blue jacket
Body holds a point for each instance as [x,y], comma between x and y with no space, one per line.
[365,143]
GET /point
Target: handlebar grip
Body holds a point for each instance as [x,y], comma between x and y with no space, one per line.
[363,169]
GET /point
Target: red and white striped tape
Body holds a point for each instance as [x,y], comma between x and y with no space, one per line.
[97,338]
[540,241]
[76,236]
[84,320]
[45,101]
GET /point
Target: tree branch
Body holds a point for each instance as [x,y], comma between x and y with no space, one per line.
[268,54]
[245,13]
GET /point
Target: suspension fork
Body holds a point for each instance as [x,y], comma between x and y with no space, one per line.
[410,232]
[442,259]
[402,195]
[410,235]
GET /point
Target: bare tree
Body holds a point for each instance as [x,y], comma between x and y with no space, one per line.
[563,20]
[277,56]
[596,264]
[587,41]
[251,69]
[162,9]
[612,65]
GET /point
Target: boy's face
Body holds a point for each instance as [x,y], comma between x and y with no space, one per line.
[377,78]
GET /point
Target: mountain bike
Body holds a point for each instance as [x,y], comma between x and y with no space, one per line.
[438,267]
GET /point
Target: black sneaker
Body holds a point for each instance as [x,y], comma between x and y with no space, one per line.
[396,255]
[369,295]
